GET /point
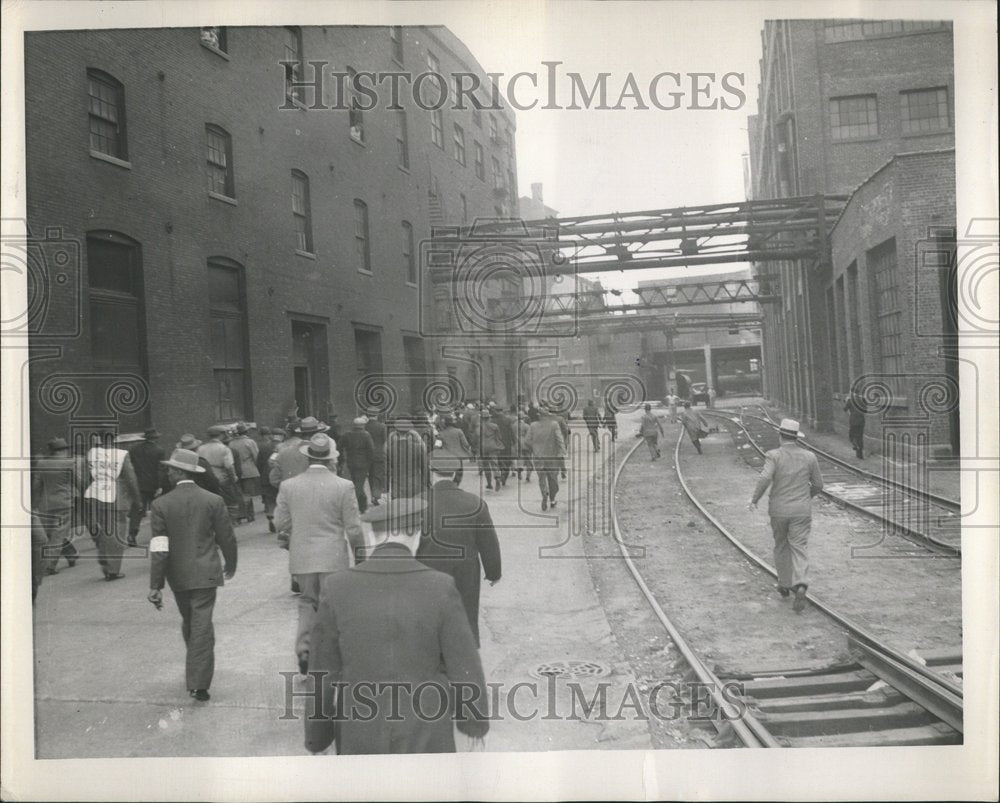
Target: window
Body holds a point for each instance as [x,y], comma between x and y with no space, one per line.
[368,352]
[354,113]
[433,64]
[293,64]
[494,131]
[854,117]
[888,316]
[215,38]
[497,174]
[220,161]
[925,110]
[480,165]
[227,316]
[114,276]
[396,43]
[361,244]
[465,208]
[477,113]
[402,142]
[459,144]
[437,128]
[839,312]
[409,263]
[301,213]
[845,30]
[856,366]
[107,115]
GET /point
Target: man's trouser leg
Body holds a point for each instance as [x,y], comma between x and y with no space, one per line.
[651,445]
[791,542]
[111,537]
[358,477]
[376,479]
[594,438]
[57,527]
[196,606]
[458,474]
[308,603]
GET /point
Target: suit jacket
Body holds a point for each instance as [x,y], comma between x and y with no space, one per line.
[454,440]
[245,451]
[545,437]
[358,449]
[149,473]
[794,477]
[460,536]
[190,526]
[287,461]
[378,432]
[392,620]
[319,508]
[57,483]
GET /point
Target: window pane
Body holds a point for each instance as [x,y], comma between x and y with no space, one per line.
[853,117]
[110,266]
[925,110]
[114,332]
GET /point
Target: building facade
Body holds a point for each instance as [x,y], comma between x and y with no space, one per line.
[851,108]
[244,243]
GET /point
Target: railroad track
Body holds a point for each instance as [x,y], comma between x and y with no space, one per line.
[932,521]
[882,697]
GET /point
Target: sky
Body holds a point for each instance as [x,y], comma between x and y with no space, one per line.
[593,161]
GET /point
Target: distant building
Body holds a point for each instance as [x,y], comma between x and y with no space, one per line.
[533,207]
[234,253]
[863,108]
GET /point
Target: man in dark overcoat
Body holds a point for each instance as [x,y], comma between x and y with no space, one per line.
[146,457]
[359,454]
[460,536]
[190,527]
[393,631]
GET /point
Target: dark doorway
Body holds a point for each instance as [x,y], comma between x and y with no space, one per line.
[309,368]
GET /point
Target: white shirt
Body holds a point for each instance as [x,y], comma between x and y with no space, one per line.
[105,466]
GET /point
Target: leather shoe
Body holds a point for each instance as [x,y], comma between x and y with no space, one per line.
[783,591]
[303,664]
[109,576]
[201,695]
[545,503]
[799,604]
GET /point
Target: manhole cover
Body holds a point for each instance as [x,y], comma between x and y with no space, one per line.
[570,669]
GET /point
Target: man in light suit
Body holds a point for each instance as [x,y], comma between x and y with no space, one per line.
[319,509]
[548,445]
[386,631]
[190,526]
[460,535]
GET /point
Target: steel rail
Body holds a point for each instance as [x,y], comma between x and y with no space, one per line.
[930,682]
[747,728]
[925,540]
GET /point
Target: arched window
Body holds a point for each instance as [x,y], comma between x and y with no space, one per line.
[117,319]
[106,112]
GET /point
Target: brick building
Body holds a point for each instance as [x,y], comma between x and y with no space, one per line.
[863,109]
[240,249]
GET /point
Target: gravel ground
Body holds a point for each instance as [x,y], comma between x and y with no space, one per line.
[727,608]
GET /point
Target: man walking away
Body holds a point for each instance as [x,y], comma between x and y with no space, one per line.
[592,418]
[320,511]
[610,420]
[220,461]
[694,424]
[376,477]
[206,480]
[491,447]
[268,493]
[545,439]
[460,536]
[359,454]
[454,441]
[523,448]
[394,627]
[245,451]
[855,408]
[111,496]
[793,475]
[146,457]
[650,429]
[190,527]
[58,482]
[672,404]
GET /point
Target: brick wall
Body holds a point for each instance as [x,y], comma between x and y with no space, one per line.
[173,87]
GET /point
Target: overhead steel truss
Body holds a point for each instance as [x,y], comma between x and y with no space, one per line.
[745,231]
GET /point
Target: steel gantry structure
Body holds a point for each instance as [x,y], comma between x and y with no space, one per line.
[495,276]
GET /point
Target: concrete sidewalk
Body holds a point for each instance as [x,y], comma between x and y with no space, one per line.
[109,668]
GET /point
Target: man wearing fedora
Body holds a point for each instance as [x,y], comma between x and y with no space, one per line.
[147,458]
[221,463]
[206,479]
[288,459]
[392,639]
[460,539]
[113,494]
[376,476]
[245,451]
[190,526]
[58,482]
[320,511]
[359,454]
[793,475]
[547,444]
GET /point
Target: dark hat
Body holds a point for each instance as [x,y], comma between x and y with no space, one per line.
[185,460]
[310,426]
[264,431]
[151,434]
[216,430]
[320,447]
[403,513]
[57,444]
[292,423]
[445,462]
[241,428]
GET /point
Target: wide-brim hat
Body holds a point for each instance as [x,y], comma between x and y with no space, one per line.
[185,460]
[188,441]
[150,434]
[444,461]
[310,426]
[402,513]
[57,444]
[360,421]
[241,428]
[789,427]
[320,447]
[217,429]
